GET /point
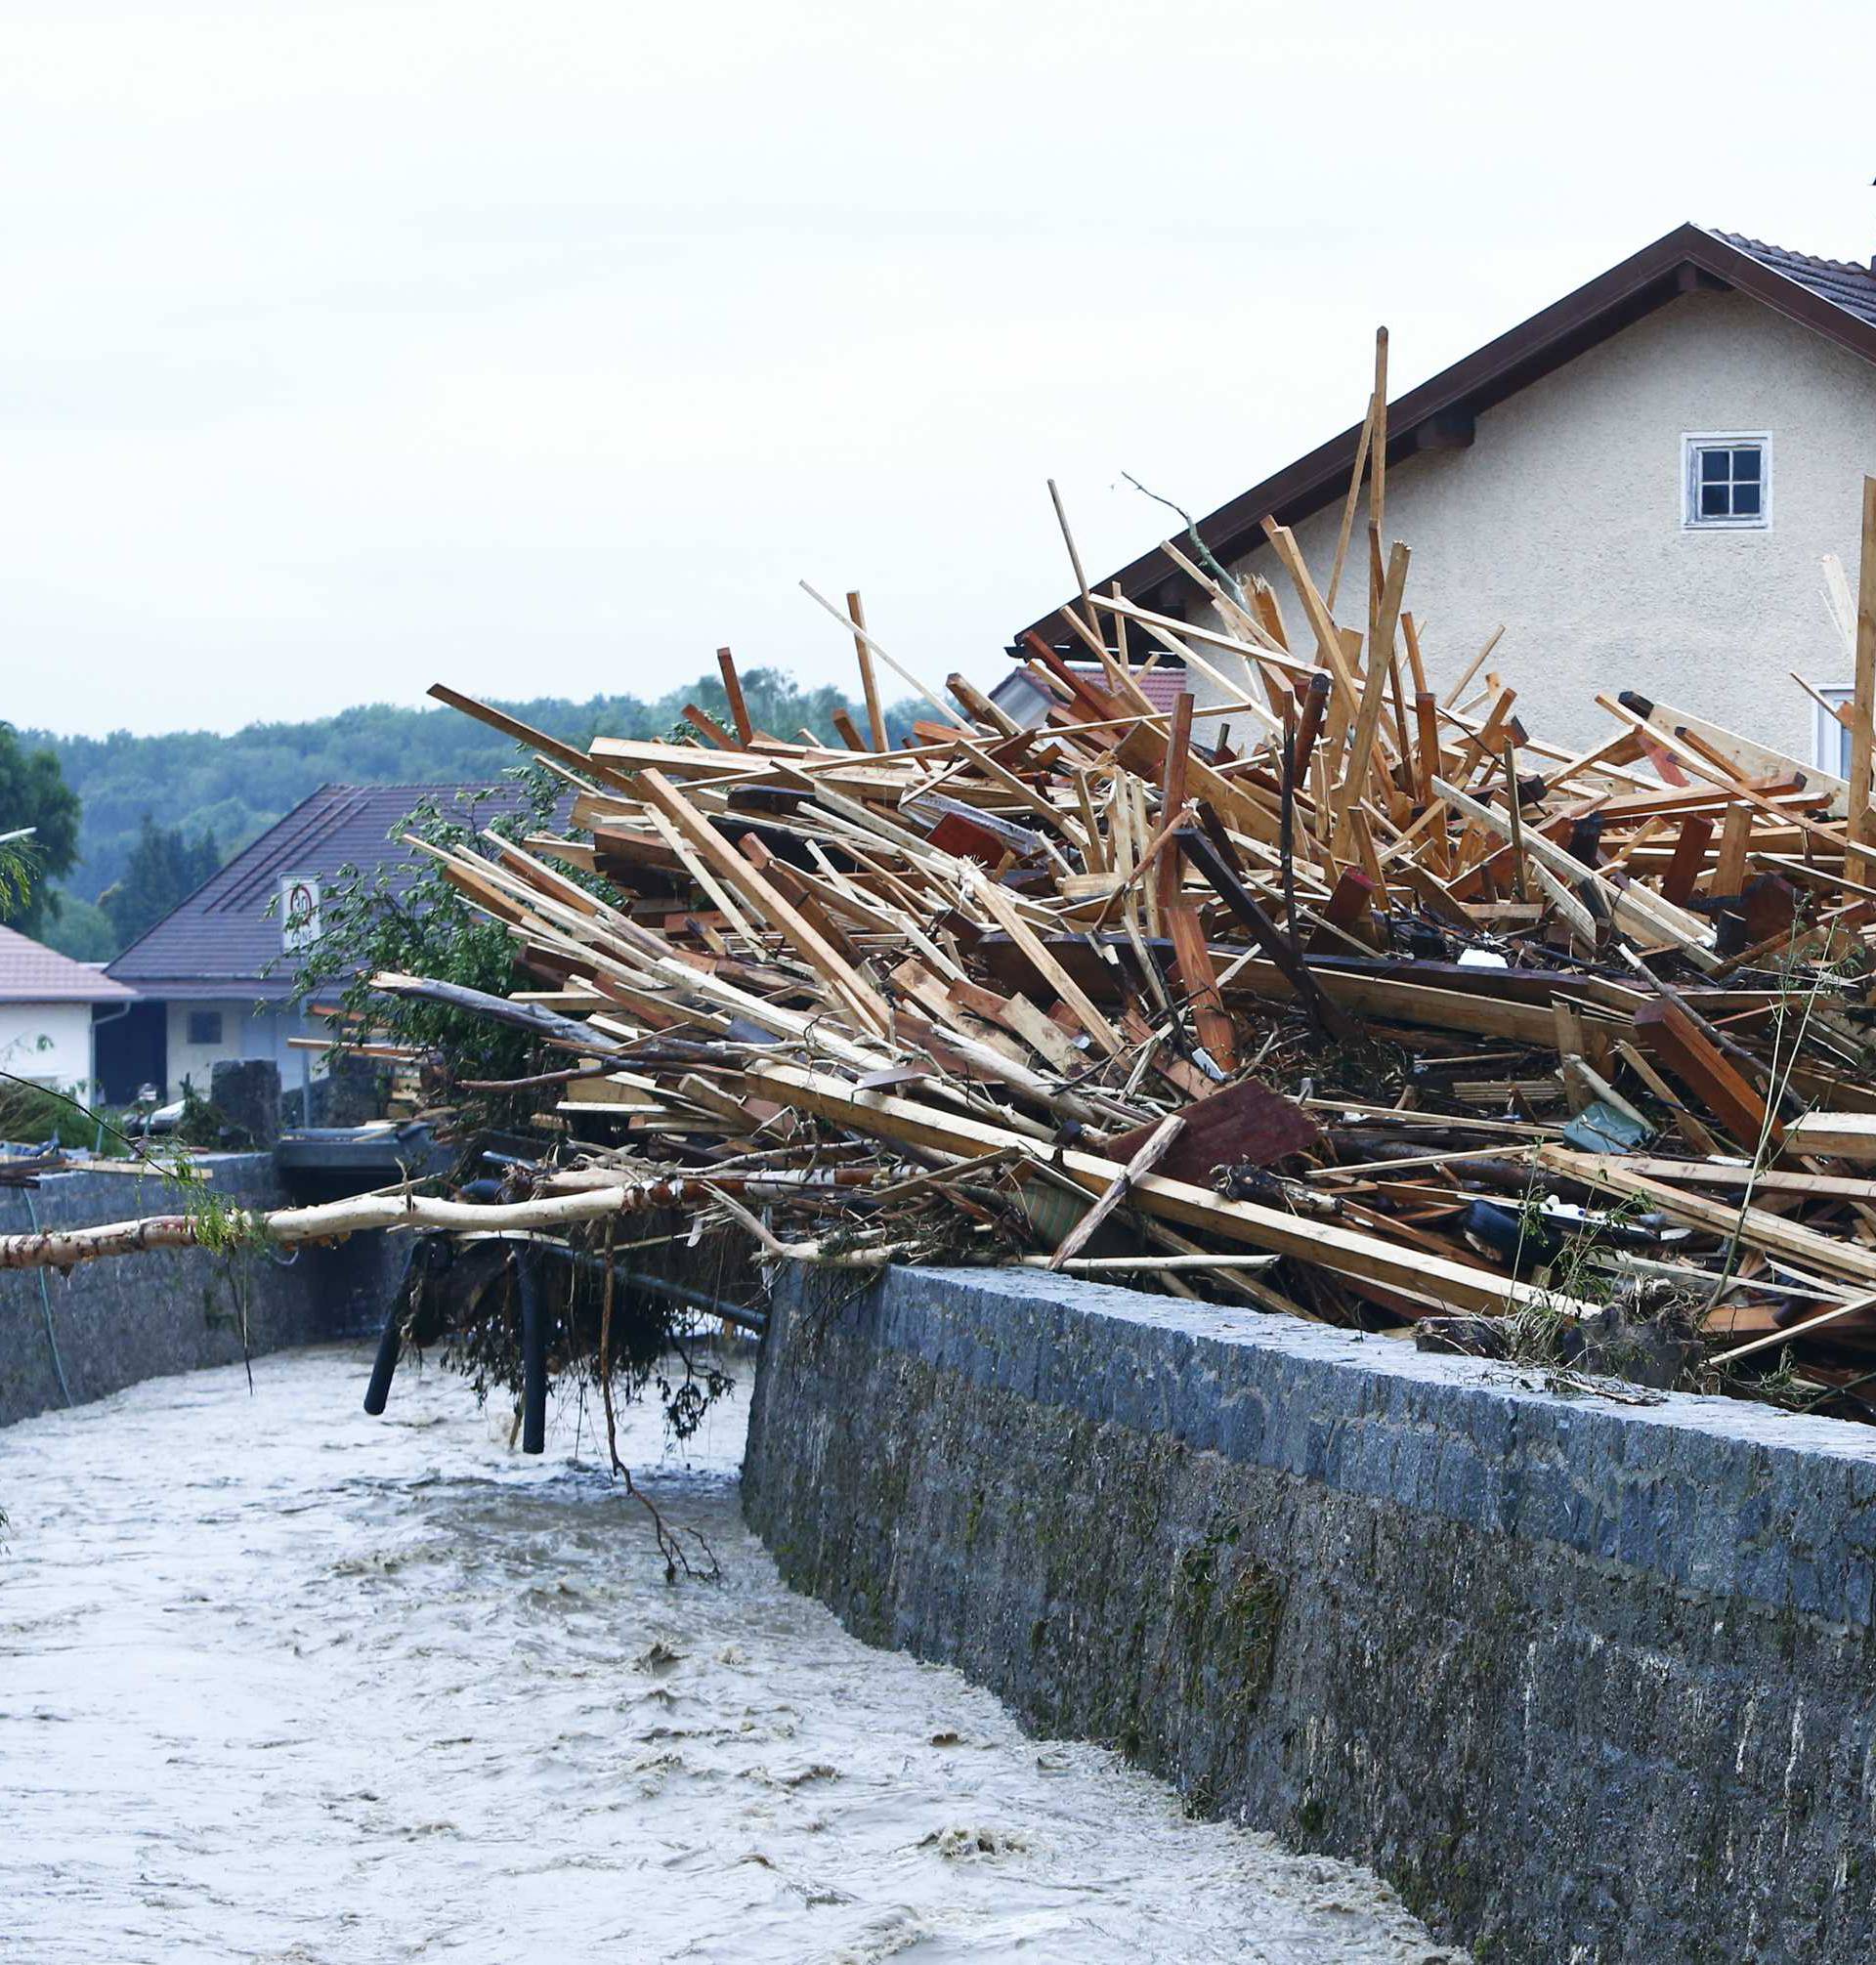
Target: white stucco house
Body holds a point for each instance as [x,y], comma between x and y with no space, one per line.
[214,979]
[50,1009]
[1640,484]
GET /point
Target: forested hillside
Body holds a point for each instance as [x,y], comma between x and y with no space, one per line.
[206,791]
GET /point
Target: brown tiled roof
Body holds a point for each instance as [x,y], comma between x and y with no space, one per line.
[31,972]
[1834,298]
[220,939]
[1845,283]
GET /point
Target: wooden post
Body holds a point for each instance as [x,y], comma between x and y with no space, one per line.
[868,680]
[1349,507]
[1074,556]
[733,689]
[1859,834]
[1178,750]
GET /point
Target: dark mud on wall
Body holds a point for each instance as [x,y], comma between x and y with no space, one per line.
[1586,1680]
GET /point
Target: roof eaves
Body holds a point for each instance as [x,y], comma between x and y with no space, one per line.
[1600,308]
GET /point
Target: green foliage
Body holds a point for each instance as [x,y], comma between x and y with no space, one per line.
[80,929]
[233,787]
[30,1115]
[164,868]
[221,1227]
[33,792]
[16,876]
[368,925]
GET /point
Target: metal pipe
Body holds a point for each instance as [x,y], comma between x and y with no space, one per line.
[661,1286]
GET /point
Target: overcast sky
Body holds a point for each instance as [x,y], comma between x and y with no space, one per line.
[544,348]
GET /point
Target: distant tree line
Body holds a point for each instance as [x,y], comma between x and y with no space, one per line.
[34,793]
[160,814]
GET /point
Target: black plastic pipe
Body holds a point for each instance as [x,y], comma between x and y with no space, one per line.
[384,1366]
[534,1357]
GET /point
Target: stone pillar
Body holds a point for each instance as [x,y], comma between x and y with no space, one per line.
[356,1089]
[246,1091]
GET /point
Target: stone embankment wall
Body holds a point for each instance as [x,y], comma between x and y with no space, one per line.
[1588,1680]
[65,1340]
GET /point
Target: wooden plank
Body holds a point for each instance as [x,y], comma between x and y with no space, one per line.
[1358,763]
[1173,776]
[1842,1136]
[1749,759]
[1199,978]
[1675,1040]
[868,679]
[733,689]
[1834,1254]
[1688,861]
[568,754]
[1735,842]
[1422,1276]
[997,904]
[1773,1179]
[1349,503]
[842,980]
[1397,1002]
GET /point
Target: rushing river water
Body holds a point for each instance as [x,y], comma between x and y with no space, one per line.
[280,1681]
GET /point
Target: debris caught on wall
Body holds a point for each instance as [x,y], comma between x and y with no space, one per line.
[1343,996]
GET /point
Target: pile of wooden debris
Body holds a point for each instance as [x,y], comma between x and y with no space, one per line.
[1339,996]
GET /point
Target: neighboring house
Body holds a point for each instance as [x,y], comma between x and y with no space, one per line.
[215,975]
[1638,484]
[50,1010]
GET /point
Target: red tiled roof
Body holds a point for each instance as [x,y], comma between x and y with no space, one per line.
[1157,685]
[31,972]
[1160,686]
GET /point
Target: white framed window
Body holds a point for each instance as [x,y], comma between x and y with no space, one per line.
[1726,482]
[1831,748]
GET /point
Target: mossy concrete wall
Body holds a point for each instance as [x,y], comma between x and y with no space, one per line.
[1587,1679]
[110,1323]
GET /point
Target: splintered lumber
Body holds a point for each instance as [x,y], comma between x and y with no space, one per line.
[1835,1136]
[1376,983]
[1757,1226]
[1199,977]
[1684,1051]
[1424,1278]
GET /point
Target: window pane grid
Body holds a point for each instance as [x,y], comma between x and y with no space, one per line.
[1727,484]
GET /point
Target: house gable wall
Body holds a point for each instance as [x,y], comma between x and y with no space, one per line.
[1562,521]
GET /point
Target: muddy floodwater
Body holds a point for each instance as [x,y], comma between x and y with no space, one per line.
[280,1682]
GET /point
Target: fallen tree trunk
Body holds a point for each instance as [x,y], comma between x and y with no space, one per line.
[288,1227]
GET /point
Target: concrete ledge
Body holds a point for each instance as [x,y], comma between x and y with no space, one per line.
[110,1324]
[1588,1681]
